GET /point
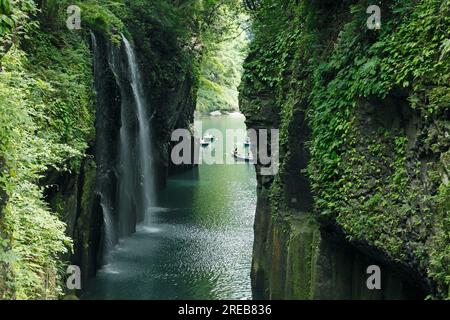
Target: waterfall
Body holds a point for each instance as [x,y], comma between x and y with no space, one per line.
[145,156]
[126,198]
[123,151]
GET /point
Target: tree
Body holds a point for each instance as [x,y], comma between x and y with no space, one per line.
[15,21]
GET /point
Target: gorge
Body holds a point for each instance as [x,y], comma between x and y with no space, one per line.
[87,176]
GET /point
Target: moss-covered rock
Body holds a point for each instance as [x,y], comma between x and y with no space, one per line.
[363,118]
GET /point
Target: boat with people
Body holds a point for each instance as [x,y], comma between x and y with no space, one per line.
[240,157]
[215,113]
[204,142]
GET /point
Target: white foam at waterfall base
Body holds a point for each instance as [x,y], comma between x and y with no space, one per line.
[147,229]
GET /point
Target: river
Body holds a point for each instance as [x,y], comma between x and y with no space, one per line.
[196,242]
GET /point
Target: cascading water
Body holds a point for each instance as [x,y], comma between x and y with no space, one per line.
[127,170]
[145,156]
[123,144]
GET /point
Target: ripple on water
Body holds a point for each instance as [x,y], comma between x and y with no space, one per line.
[195,244]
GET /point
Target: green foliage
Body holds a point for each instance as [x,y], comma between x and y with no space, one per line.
[365,184]
[6,23]
[47,115]
[15,22]
[64,91]
[36,235]
[214,20]
[102,16]
[46,121]
[221,71]
[440,241]
[361,90]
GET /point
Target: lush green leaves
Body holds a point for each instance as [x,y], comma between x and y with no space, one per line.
[221,70]
[46,121]
[361,90]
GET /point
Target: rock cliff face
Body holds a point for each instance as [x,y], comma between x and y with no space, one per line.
[60,128]
[79,195]
[362,153]
[294,256]
[74,196]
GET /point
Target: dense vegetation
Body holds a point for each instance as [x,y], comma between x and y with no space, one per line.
[221,68]
[377,105]
[373,108]
[47,110]
[46,122]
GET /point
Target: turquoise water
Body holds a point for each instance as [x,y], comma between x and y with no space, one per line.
[197,241]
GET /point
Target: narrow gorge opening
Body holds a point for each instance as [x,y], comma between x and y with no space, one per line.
[191,237]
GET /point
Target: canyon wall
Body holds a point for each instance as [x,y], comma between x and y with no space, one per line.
[60,128]
[363,118]
[170,96]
